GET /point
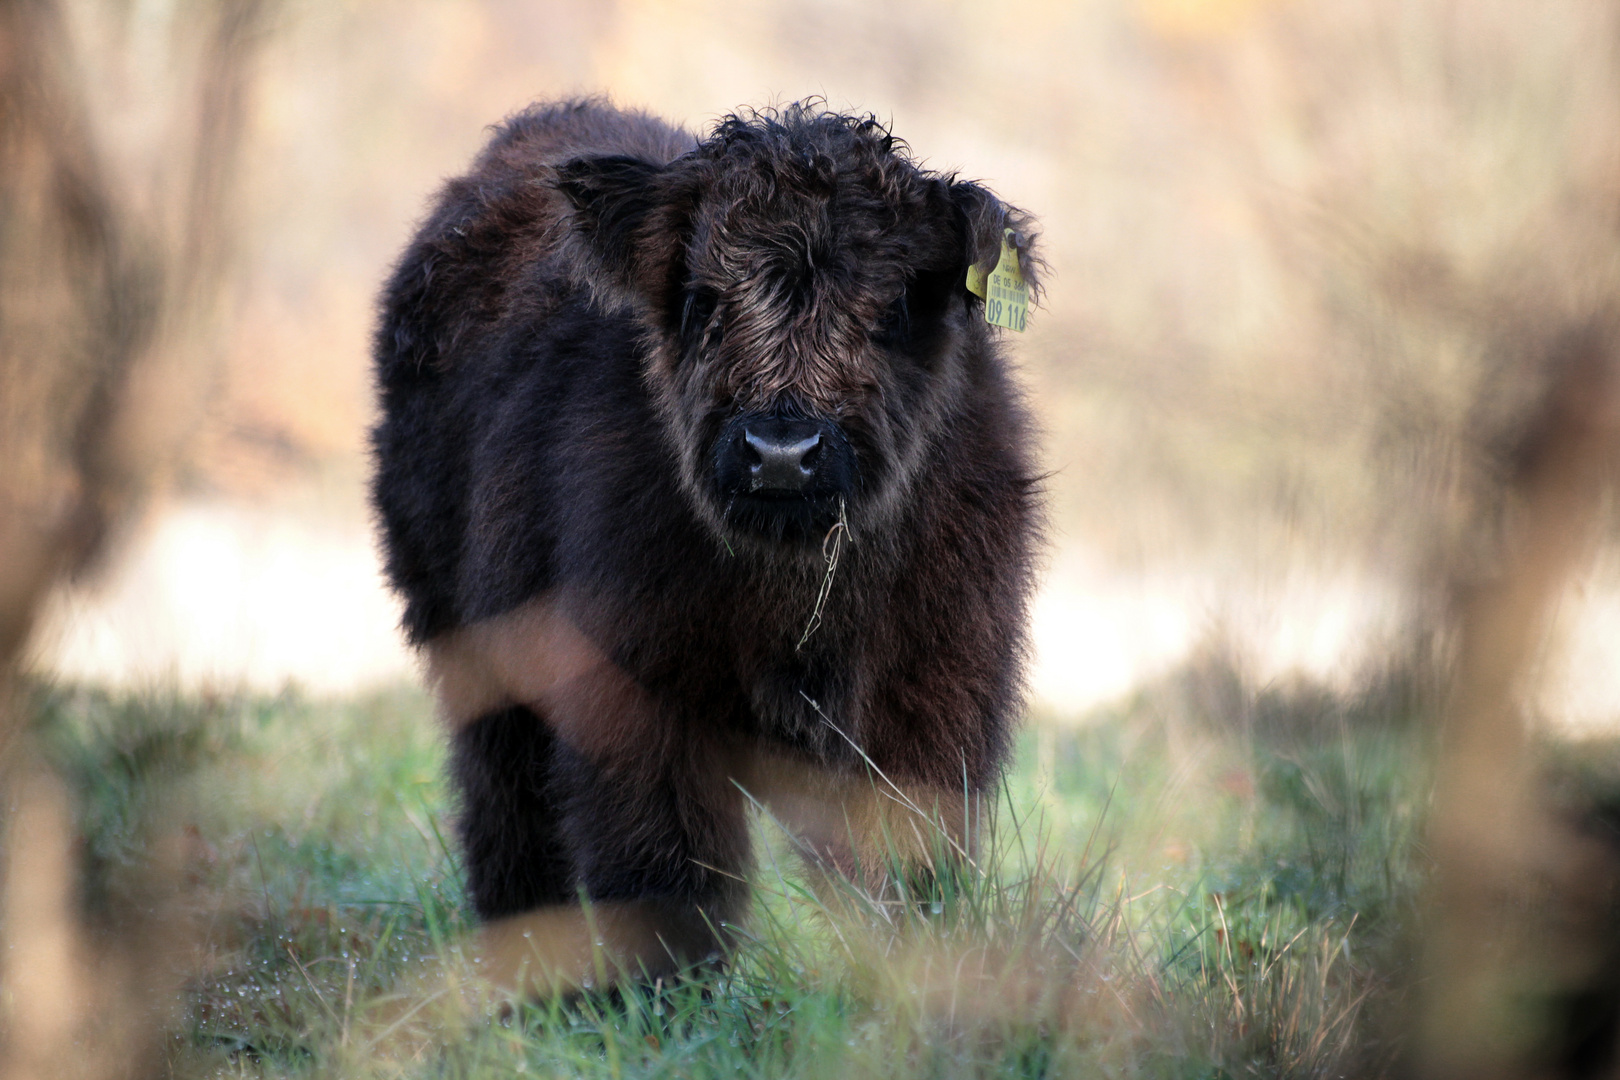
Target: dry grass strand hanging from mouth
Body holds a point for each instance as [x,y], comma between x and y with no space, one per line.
[832,546]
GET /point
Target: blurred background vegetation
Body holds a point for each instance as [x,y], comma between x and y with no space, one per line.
[1308,261]
[1326,381]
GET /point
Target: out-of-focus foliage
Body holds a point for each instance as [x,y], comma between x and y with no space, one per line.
[1307,256]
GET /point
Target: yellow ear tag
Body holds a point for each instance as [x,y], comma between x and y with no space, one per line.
[1006,301]
[975,280]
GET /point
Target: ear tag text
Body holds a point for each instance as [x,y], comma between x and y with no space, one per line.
[1006,300]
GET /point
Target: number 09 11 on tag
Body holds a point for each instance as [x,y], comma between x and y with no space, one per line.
[1005,293]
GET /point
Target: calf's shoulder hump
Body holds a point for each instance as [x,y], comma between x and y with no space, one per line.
[552,133]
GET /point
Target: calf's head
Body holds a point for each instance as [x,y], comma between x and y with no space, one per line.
[801,281]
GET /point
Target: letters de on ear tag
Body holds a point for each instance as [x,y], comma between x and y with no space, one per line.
[1006,299]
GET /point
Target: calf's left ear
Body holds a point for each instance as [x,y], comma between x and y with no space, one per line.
[618,225]
[983,220]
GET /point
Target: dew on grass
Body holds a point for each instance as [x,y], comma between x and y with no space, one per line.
[936,907]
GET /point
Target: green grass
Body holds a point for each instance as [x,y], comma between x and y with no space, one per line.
[1179,888]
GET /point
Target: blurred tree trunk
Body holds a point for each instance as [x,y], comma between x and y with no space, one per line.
[1505,943]
[104,301]
[75,310]
[107,298]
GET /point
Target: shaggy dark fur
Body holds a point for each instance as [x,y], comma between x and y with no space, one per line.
[639,379]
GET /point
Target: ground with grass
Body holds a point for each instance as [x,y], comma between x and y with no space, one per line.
[1203,881]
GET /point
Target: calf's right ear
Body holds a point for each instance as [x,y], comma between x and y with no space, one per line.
[616,204]
[983,219]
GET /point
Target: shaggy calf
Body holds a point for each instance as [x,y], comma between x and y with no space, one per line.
[700,472]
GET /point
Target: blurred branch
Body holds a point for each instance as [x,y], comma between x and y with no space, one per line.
[100,305]
[1490,835]
[105,306]
[59,249]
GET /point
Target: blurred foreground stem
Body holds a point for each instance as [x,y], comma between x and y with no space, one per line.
[1490,833]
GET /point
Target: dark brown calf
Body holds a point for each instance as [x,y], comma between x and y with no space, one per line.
[700,471]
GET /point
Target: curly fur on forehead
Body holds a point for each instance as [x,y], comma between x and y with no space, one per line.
[802,148]
[809,226]
[804,145]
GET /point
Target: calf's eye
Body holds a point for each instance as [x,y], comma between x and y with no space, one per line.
[697,315]
[917,312]
[894,328]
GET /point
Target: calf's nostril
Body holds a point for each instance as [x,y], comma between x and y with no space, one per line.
[785,463]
